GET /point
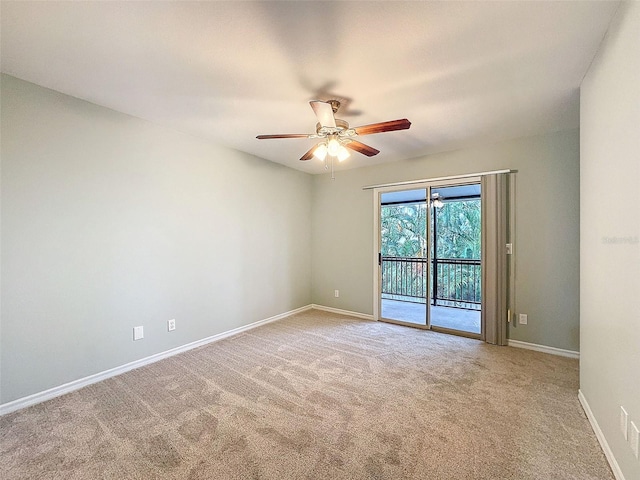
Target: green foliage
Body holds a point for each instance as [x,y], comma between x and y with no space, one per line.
[403,232]
[458,229]
[403,229]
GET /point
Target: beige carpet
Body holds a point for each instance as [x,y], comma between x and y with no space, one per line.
[317,396]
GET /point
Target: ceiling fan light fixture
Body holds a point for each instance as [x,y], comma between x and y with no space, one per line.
[333,147]
[343,153]
[320,152]
[436,201]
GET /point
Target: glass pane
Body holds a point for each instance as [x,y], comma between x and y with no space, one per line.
[404,243]
[455,267]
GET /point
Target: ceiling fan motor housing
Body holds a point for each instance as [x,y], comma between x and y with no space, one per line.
[342,129]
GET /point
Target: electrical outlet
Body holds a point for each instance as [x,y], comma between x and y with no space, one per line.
[138,333]
[624,421]
[336,293]
[522,319]
[634,439]
[171,325]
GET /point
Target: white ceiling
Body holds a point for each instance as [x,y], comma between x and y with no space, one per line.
[462,72]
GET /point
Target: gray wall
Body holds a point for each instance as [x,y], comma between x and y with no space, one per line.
[547,234]
[109,222]
[610,233]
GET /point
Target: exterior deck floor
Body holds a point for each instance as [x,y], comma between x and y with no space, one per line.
[445,317]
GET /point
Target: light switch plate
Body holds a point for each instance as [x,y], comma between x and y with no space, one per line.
[138,333]
[523,319]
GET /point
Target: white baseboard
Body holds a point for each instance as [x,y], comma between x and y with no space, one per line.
[544,349]
[91,379]
[617,472]
[364,316]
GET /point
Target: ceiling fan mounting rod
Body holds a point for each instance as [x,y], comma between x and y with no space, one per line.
[335,105]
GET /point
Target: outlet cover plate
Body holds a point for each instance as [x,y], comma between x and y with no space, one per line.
[634,438]
[171,325]
[523,319]
[624,421]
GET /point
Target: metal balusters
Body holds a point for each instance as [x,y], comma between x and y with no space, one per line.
[456,284]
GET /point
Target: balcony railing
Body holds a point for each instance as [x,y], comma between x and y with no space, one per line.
[456,281]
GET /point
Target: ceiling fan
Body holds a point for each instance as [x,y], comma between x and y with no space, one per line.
[336,134]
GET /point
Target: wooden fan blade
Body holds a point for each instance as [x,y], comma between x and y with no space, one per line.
[362,148]
[383,127]
[324,112]
[283,135]
[309,154]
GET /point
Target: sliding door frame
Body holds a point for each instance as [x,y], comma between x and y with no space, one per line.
[377,247]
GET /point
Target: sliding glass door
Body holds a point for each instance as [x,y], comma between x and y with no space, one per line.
[429,266]
[404,256]
[456,270]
